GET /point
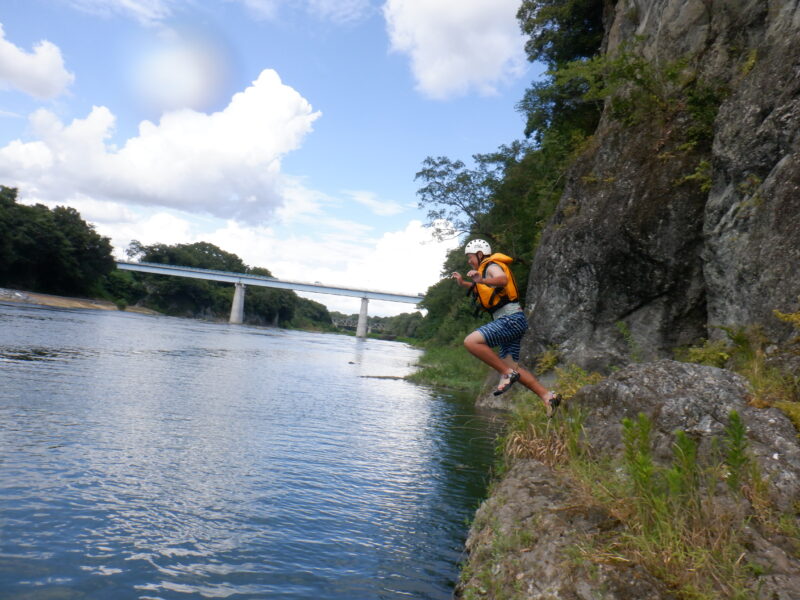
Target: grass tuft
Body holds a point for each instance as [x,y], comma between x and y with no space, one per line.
[450,367]
[677,525]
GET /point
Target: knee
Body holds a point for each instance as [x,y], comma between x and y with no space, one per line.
[473,340]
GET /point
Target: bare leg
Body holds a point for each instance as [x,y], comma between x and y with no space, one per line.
[476,345]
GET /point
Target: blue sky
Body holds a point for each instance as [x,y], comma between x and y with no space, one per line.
[286,131]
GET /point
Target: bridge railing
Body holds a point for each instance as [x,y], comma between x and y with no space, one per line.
[240,280]
[262,280]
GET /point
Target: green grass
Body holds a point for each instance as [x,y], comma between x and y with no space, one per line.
[450,367]
[744,352]
[684,522]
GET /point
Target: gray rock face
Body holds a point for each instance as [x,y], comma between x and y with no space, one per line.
[638,258]
[623,250]
[535,520]
[520,543]
[752,218]
[697,400]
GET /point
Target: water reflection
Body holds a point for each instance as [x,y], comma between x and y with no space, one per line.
[169,457]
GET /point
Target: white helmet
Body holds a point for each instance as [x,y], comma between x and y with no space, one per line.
[476,246]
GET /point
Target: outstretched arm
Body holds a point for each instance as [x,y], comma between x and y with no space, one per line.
[494,276]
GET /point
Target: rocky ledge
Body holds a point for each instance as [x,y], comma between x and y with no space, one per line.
[526,538]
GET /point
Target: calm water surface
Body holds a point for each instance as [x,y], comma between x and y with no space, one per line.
[152,457]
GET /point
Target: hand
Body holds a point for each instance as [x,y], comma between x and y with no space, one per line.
[457,276]
[474,275]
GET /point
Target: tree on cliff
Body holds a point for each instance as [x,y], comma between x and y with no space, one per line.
[509,194]
[53,251]
[560,33]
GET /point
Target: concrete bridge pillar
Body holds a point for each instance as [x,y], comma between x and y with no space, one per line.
[361,329]
[237,307]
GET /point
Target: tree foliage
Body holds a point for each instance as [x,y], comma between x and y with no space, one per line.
[457,198]
[53,251]
[311,315]
[201,255]
[561,31]
[212,299]
[508,195]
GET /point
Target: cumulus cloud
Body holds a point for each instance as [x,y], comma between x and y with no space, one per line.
[97,211]
[382,208]
[156,227]
[407,261]
[226,164]
[40,73]
[457,46]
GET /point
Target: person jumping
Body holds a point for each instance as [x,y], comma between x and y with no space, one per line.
[494,289]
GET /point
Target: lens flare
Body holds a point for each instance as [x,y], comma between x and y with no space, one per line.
[181,70]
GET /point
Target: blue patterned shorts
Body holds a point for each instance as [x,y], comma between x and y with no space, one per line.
[506,332]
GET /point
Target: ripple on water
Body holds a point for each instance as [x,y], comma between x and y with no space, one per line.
[161,458]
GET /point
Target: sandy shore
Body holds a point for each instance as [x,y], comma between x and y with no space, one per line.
[7,295]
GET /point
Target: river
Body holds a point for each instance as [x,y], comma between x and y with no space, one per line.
[161,458]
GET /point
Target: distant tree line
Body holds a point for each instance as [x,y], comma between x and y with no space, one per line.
[55,251]
[403,326]
[211,299]
[50,250]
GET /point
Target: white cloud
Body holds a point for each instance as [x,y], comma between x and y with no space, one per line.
[156,228]
[91,210]
[335,11]
[407,261]
[147,12]
[40,74]
[340,11]
[152,12]
[260,9]
[225,164]
[457,46]
[382,208]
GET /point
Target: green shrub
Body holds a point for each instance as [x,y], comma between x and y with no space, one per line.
[546,361]
[710,353]
[572,378]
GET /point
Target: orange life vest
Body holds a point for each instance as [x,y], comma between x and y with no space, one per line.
[491,298]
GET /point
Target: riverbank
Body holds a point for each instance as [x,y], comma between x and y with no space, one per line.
[7,295]
[606,500]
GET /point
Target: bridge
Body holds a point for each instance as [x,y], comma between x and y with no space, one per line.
[240,280]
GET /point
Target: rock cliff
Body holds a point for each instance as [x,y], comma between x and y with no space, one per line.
[682,214]
[541,536]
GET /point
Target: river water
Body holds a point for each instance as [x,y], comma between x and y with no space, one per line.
[154,457]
